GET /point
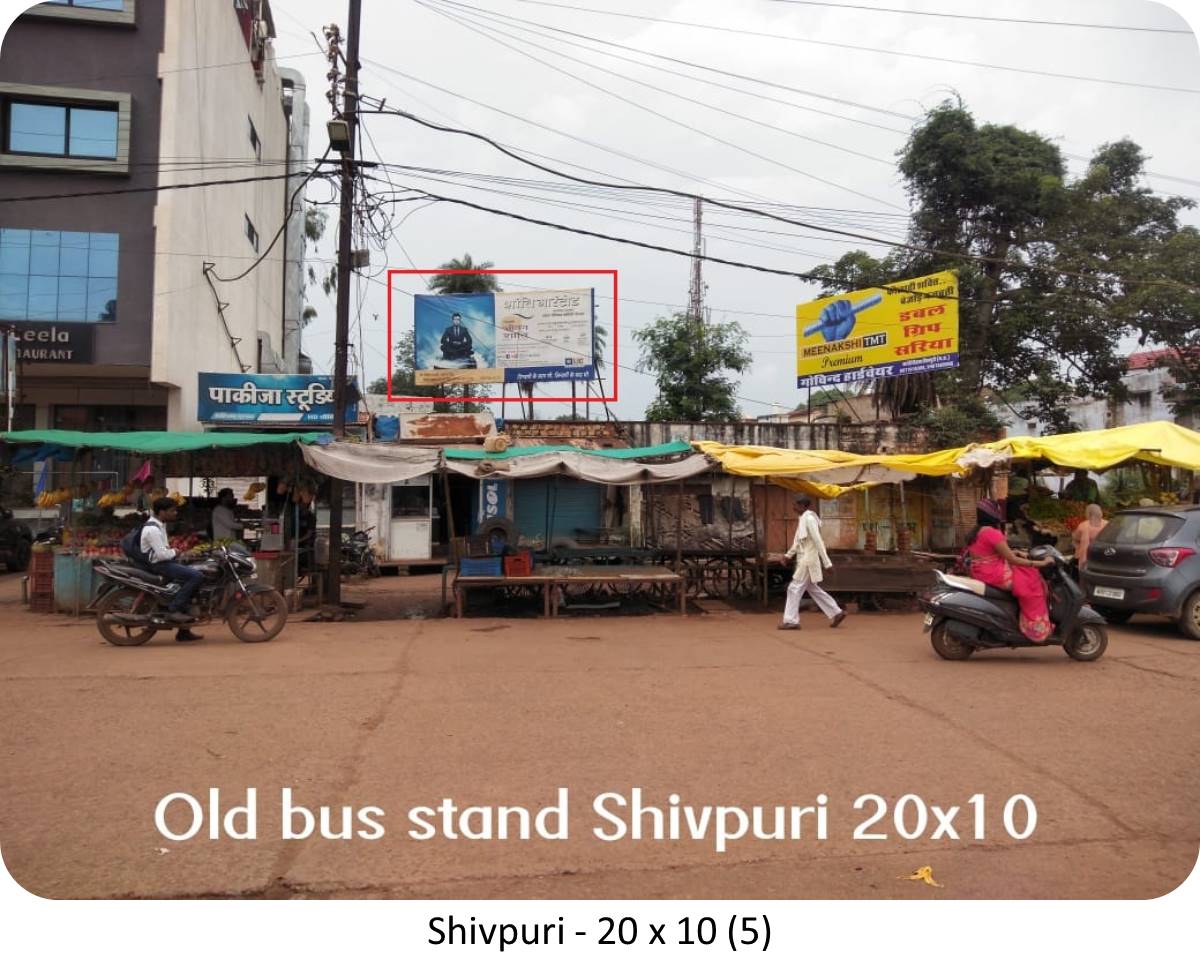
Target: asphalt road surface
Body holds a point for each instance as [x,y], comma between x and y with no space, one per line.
[721,709]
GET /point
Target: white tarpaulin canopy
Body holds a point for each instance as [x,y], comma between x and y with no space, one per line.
[372,463]
[581,466]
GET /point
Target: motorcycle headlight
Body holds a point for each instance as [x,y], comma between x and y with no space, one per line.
[251,564]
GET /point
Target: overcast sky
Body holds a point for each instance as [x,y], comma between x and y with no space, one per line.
[829,154]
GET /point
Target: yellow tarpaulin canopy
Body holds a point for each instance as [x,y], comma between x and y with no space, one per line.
[1164,443]
[830,466]
[831,472]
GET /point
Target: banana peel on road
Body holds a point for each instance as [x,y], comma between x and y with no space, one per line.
[922,875]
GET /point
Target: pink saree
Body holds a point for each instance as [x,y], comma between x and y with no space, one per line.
[1023,582]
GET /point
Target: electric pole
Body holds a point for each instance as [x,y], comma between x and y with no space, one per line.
[333,584]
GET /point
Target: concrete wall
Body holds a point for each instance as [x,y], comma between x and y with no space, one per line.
[206,117]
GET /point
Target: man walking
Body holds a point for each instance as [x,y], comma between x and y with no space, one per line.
[811,560]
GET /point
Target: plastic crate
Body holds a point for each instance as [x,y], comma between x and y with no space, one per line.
[519,564]
[493,567]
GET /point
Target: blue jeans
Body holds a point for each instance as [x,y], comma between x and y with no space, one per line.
[188,577]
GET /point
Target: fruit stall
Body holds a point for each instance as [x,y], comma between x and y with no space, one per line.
[94,514]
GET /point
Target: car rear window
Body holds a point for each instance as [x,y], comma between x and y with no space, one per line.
[1139,529]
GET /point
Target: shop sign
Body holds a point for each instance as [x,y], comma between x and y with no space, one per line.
[55,343]
[264,399]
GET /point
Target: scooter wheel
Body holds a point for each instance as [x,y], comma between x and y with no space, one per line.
[947,645]
[1087,642]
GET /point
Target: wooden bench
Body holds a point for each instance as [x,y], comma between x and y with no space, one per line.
[551,578]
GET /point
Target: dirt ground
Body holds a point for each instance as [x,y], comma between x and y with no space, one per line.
[397,711]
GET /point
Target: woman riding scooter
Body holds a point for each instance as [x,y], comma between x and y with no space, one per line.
[992,561]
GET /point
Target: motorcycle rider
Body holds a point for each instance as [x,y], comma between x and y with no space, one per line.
[160,558]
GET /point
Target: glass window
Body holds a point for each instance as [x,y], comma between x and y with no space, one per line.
[69,276]
[90,4]
[93,133]
[251,232]
[37,128]
[1141,529]
[410,501]
[47,129]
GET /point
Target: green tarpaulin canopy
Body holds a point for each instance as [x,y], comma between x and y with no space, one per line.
[637,452]
[155,443]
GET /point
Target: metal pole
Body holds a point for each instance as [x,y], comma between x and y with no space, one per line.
[342,335]
[679,527]
[762,563]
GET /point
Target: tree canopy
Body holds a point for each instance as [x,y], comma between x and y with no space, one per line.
[690,362]
[1049,266]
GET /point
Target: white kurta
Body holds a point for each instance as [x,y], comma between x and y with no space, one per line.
[809,550]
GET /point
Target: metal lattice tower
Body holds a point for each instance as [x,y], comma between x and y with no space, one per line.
[696,287]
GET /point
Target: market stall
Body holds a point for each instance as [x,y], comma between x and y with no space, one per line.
[95,511]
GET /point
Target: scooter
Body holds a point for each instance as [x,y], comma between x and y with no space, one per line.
[964,615]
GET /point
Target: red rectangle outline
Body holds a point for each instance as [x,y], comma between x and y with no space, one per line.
[504,272]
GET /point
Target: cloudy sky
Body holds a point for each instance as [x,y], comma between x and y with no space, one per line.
[815,128]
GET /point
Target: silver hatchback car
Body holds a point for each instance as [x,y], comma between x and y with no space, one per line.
[1147,560]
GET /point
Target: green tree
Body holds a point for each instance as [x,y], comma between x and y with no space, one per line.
[1045,297]
[470,277]
[404,382]
[690,362]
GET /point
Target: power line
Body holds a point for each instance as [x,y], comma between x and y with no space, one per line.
[705,105]
[940,253]
[980,17]
[156,187]
[690,64]
[861,47]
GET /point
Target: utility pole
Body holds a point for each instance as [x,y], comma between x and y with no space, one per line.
[333,584]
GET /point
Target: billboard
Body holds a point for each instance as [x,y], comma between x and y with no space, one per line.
[899,328]
[480,338]
[269,399]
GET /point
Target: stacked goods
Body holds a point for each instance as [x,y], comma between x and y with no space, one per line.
[41,579]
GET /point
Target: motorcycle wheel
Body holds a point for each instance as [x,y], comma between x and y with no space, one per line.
[130,602]
[1087,642]
[947,645]
[273,615]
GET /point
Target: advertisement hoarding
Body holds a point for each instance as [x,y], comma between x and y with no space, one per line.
[269,399]
[899,328]
[481,338]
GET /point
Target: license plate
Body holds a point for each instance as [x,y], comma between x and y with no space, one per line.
[928,620]
[1100,592]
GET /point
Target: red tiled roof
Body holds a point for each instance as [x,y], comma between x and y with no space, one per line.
[1147,358]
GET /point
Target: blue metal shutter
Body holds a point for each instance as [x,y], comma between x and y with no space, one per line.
[568,508]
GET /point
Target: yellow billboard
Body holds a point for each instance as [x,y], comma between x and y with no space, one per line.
[898,328]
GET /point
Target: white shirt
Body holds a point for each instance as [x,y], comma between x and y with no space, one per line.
[225,523]
[154,542]
[809,549]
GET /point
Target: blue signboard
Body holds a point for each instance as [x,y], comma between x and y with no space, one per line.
[493,500]
[269,399]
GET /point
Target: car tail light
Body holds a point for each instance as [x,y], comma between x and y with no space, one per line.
[1170,557]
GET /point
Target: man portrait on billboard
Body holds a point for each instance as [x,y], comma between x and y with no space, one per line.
[456,342]
[454,332]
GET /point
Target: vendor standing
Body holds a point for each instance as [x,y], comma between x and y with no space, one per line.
[225,525]
[1082,488]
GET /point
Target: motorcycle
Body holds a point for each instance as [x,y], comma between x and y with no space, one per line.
[358,558]
[132,603]
[964,615]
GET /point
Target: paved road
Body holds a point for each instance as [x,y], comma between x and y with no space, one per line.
[720,709]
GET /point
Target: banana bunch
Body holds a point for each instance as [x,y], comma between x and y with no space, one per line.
[254,490]
[1168,498]
[53,498]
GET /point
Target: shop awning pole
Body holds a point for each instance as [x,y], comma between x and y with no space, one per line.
[678,527]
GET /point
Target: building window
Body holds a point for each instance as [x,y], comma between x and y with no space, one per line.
[251,233]
[60,129]
[114,12]
[68,276]
[255,144]
[90,4]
